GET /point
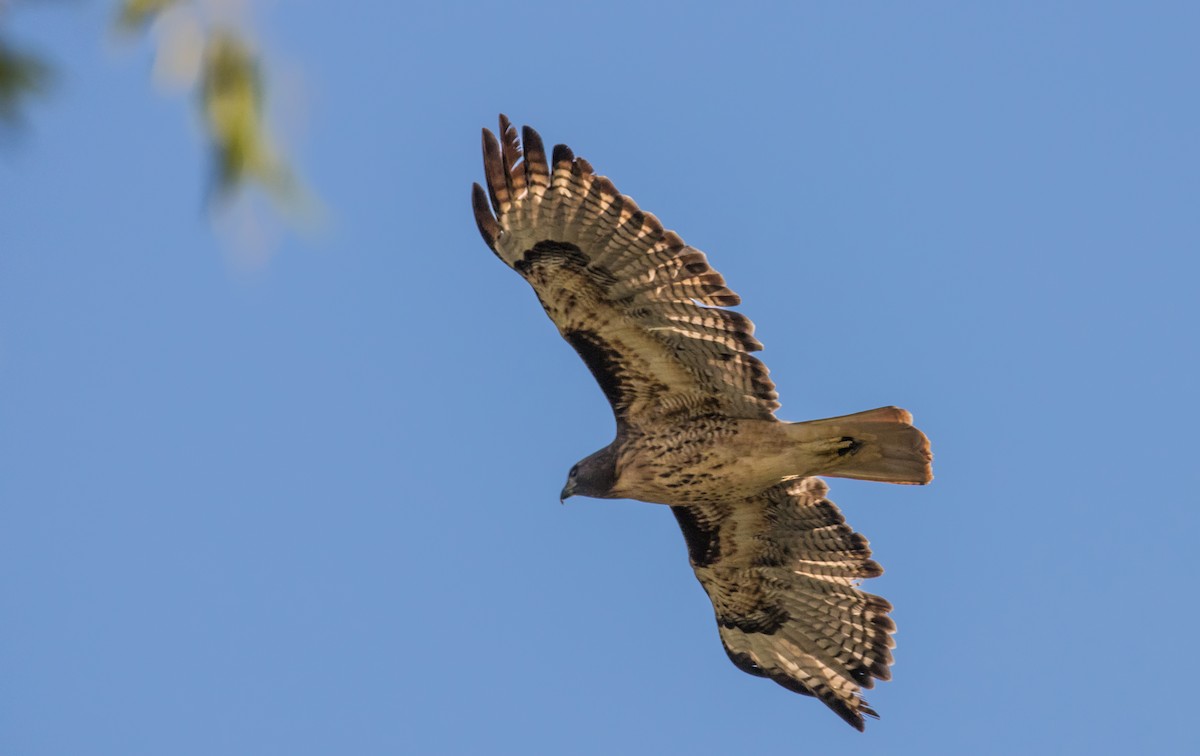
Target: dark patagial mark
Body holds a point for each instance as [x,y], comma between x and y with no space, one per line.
[603,361]
[702,537]
[852,446]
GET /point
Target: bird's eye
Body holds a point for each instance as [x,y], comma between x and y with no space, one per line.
[574,472]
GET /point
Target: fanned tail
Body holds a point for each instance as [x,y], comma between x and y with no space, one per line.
[879,444]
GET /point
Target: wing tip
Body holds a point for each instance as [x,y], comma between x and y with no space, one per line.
[562,154]
[493,171]
[537,171]
[489,228]
[852,710]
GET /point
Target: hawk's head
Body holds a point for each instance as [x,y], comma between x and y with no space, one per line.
[593,475]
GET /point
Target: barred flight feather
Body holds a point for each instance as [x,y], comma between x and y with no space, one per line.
[793,546]
[633,271]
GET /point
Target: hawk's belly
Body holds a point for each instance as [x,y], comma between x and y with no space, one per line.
[709,460]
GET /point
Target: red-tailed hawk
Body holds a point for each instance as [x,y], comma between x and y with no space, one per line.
[696,428]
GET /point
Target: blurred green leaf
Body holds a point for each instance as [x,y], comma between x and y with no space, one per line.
[21,74]
[231,99]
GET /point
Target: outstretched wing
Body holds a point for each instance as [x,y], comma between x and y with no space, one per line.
[781,570]
[643,309]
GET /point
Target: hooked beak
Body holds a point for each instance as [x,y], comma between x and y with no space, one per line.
[567,492]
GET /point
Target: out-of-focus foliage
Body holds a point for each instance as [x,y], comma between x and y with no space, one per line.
[231,99]
[21,74]
[200,48]
[136,15]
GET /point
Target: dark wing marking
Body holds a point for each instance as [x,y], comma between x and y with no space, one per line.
[781,569]
[642,308]
[604,362]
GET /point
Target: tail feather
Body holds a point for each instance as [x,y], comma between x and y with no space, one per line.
[879,444]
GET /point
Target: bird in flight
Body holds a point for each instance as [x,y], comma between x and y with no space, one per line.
[696,425]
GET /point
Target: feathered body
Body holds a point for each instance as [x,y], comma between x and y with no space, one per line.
[695,423]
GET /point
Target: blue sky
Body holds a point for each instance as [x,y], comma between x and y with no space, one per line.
[311,507]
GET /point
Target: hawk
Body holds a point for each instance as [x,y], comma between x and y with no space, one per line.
[696,425]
